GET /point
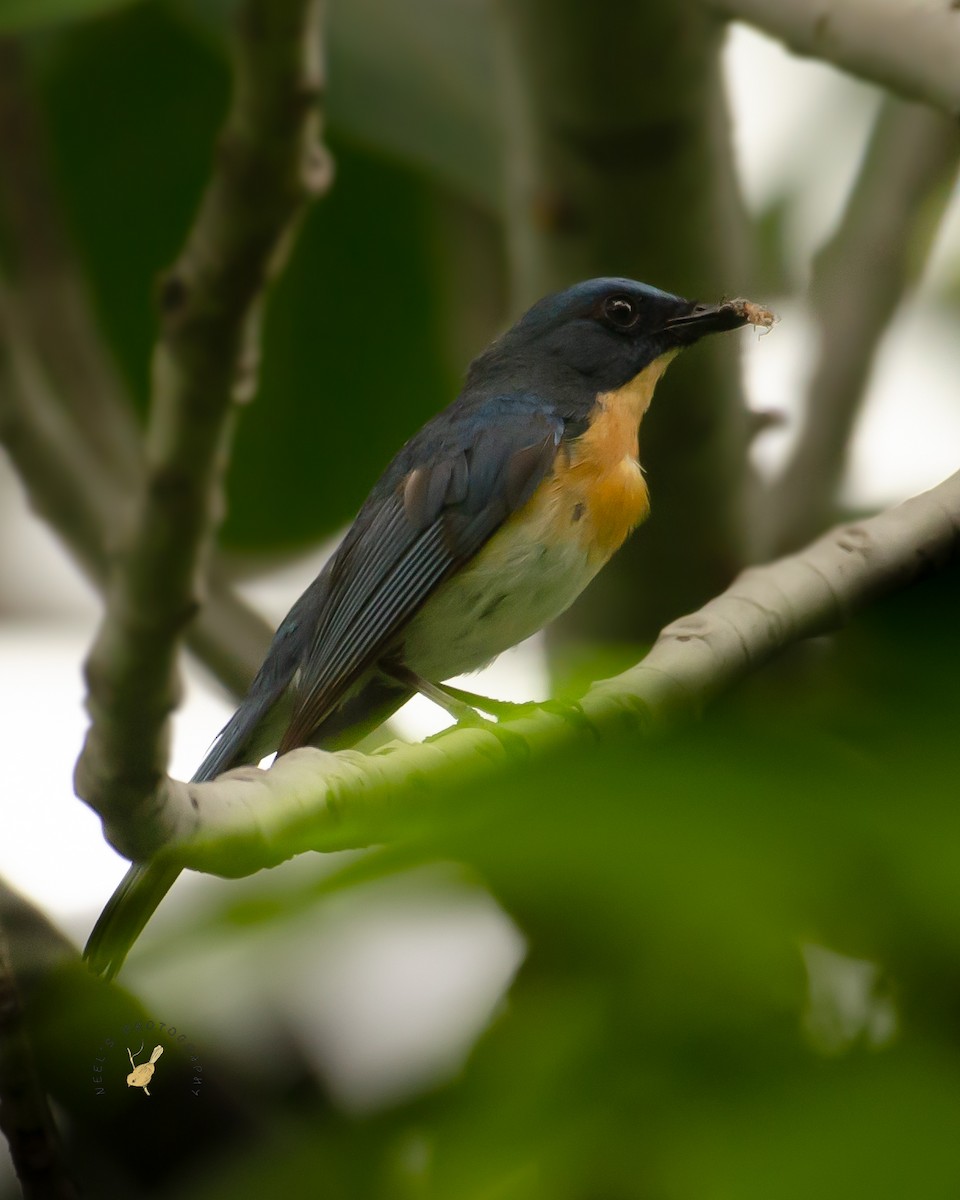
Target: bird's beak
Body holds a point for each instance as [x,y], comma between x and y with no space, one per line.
[700,319]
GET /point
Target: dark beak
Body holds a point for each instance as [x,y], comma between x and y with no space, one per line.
[700,319]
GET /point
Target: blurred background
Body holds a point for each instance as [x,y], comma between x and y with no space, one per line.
[723,966]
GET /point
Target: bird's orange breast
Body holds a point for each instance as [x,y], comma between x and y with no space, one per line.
[597,494]
[542,558]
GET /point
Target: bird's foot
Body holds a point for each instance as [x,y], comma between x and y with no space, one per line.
[513,743]
[467,708]
[570,712]
[503,710]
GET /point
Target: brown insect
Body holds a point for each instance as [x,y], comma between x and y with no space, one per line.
[754,314]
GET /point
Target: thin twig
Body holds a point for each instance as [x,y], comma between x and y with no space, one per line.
[54,309]
[859,278]
[315,800]
[269,164]
[81,499]
[65,417]
[911,47]
[64,478]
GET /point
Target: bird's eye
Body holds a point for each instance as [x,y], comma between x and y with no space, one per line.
[620,311]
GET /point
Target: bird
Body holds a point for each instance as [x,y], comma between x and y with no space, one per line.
[487,524]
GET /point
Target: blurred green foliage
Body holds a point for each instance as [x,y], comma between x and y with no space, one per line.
[654,1045]
[19,15]
[660,1040]
[132,104]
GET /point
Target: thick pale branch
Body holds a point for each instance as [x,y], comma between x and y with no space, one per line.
[911,46]
[314,800]
[896,203]
[269,163]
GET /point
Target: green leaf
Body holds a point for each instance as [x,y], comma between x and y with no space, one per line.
[19,15]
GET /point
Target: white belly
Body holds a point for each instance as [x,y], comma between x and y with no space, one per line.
[543,557]
[510,590]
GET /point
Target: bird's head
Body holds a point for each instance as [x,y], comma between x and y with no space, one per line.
[603,332]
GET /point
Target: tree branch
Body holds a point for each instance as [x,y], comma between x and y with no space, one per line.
[269,163]
[612,127]
[64,478]
[65,418]
[911,46]
[54,309]
[79,496]
[315,800]
[896,204]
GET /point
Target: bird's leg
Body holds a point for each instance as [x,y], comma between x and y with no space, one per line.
[504,709]
[496,708]
[466,707]
[460,709]
[458,704]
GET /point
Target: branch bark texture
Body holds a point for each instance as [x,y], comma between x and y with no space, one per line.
[910,46]
[315,800]
[269,163]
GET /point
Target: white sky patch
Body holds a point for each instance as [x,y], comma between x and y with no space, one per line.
[399,988]
[908,439]
[51,844]
[776,372]
[799,130]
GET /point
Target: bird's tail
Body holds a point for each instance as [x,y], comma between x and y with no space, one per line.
[145,884]
[125,914]
[246,737]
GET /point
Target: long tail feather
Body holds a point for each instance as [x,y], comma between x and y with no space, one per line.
[125,914]
[145,884]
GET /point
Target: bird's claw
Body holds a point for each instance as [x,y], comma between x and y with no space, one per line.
[513,743]
[570,712]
